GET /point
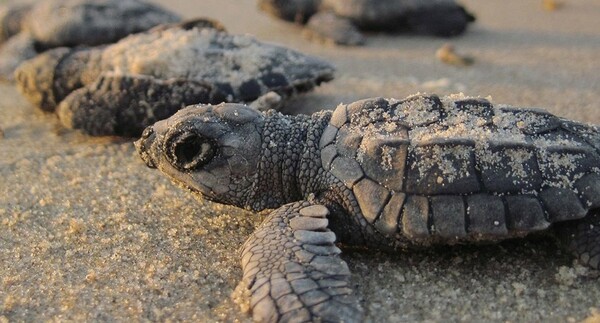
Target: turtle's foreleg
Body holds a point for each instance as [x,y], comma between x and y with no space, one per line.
[35,78]
[293,270]
[124,104]
[582,237]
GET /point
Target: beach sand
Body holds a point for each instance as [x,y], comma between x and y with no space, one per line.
[87,232]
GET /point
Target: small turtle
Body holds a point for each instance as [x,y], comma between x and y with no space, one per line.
[382,173]
[339,21]
[27,30]
[121,88]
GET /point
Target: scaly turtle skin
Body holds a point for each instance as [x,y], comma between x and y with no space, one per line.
[382,173]
[27,30]
[122,88]
[339,21]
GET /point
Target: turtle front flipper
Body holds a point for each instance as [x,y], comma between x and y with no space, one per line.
[328,27]
[582,237]
[124,104]
[49,77]
[293,270]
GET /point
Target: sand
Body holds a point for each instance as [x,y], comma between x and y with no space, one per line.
[87,232]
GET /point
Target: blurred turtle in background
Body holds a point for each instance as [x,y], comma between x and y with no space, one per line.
[339,21]
[121,88]
[27,30]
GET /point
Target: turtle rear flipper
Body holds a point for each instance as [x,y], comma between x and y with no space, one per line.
[328,27]
[124,104]
[582,237]
[293,271]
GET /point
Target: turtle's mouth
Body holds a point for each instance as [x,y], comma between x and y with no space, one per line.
[143,146]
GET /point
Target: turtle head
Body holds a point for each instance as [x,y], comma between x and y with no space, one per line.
[210,150]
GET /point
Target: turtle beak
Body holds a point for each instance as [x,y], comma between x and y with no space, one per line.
[144,145]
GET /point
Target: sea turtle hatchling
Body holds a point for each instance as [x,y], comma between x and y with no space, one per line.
[121,88]
[339,21]
[382,173]
[29,29]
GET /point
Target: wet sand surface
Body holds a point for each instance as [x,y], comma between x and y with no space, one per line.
[87,232]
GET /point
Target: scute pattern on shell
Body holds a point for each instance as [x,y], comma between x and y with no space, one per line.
[461,168]
[242,67]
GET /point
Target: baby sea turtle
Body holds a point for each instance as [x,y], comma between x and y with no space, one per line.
[381,173]
[339,21]
[29,29]
[122,88]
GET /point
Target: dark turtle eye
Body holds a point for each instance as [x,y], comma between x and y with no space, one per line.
[188,151]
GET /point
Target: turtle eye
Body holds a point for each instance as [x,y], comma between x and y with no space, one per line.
[188,151]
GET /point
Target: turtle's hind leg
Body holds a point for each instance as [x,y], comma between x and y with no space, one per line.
[582,237]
